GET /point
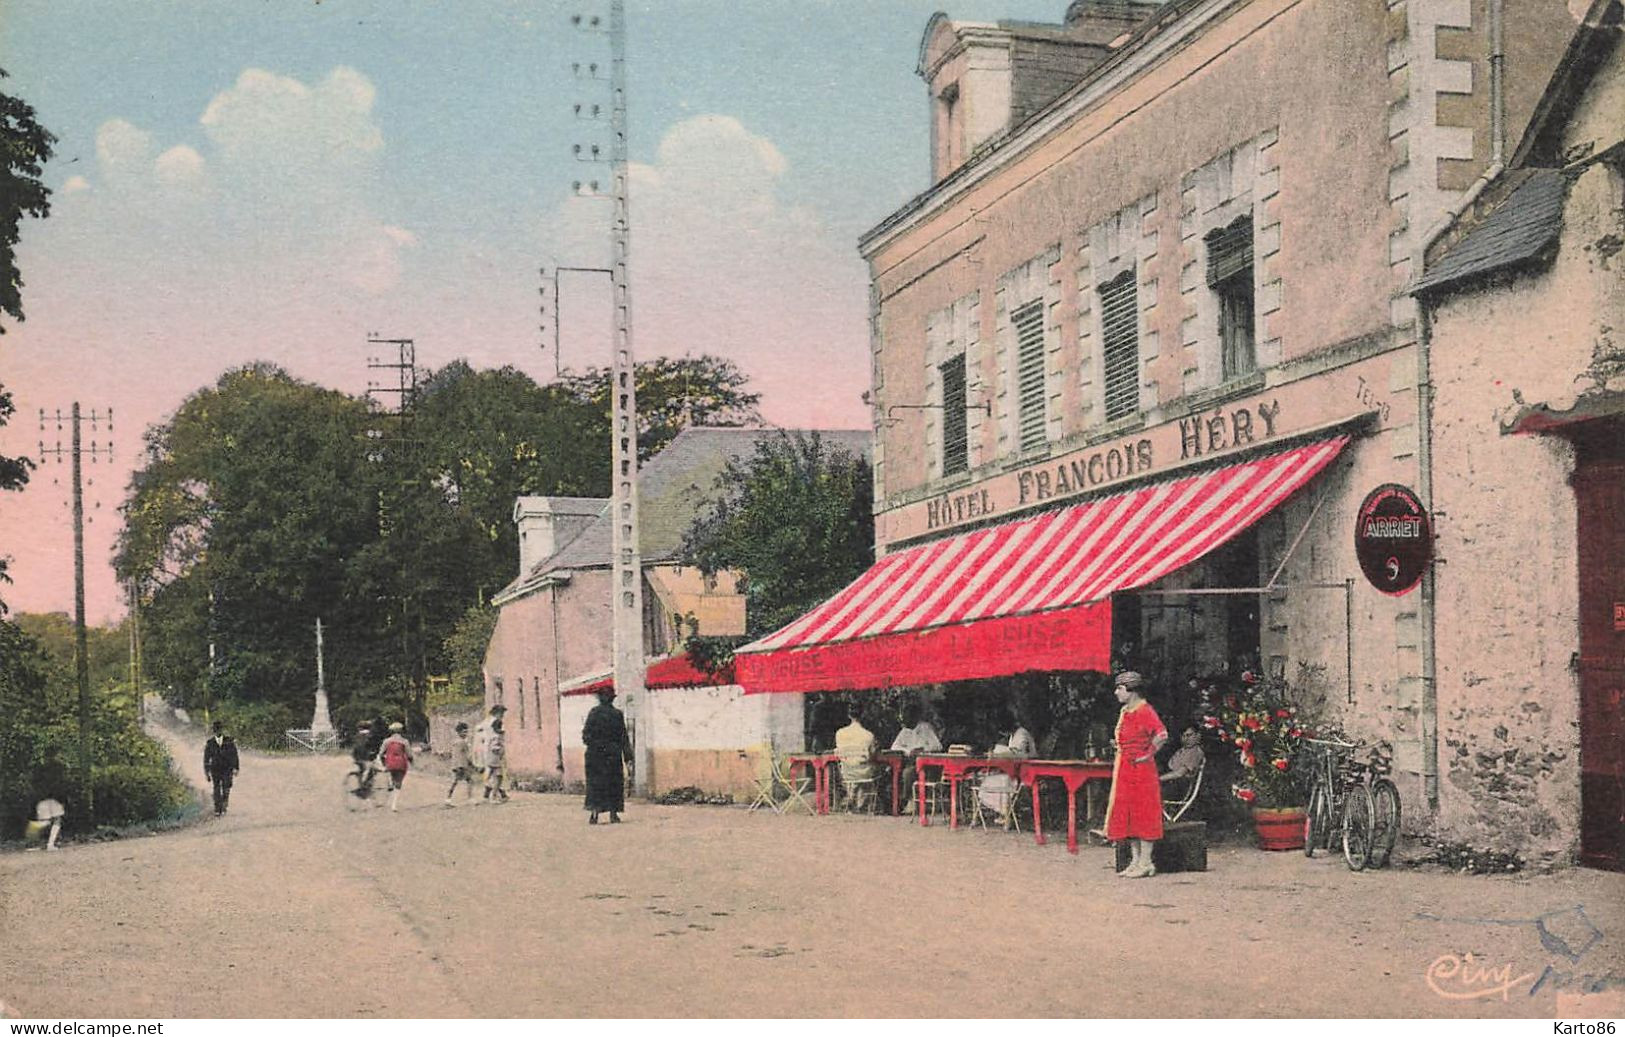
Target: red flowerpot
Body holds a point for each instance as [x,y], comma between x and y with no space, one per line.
[1279,828]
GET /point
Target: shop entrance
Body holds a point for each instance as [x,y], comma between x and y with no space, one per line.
[1599,492]
[1190,624]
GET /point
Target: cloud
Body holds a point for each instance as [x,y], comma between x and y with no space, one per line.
[723,262]
[122,147]
[280,190]
[75,184]
[179,165]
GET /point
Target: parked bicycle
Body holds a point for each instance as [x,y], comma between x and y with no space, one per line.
[1355,799]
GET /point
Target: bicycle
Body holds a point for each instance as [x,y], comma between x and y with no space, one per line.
[1371,813]
[360,786]
[1358,799]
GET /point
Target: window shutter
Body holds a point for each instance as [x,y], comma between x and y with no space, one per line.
[1120,334]
[955,455]
[1029,325]
[1229,251]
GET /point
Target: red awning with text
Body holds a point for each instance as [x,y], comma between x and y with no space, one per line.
[1032,594]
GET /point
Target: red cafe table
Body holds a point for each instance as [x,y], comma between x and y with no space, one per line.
[954,768]
[819,762]
[1072,773]
[895,761]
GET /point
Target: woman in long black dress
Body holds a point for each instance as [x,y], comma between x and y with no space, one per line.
[604,735]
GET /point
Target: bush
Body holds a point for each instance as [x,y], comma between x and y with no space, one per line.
[261,725]
[130,793]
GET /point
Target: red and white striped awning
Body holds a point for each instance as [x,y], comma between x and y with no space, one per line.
[1032,594]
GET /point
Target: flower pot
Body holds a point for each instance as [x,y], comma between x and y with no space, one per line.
[1279,828]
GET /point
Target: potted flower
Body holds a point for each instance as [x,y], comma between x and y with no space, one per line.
[1263,727]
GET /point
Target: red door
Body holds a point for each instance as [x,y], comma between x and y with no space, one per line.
[1599,490]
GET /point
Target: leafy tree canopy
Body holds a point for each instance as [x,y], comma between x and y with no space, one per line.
[672,395]
[25,147]
[795,518]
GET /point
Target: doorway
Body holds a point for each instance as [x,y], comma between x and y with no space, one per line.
[1599,493]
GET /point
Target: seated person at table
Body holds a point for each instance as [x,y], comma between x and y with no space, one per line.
[1188,758]
[855,745]
[996,787]
[917,736]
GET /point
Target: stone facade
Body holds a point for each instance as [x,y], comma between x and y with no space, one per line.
[1335,134]
[1503,340]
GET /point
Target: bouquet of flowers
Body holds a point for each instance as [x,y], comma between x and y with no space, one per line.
[1262,725]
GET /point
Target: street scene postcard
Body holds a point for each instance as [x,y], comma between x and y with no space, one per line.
[811,509]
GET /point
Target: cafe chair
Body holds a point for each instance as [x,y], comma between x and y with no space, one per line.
[858,793]
[1179,796]
[795,788]
[766,782]
[1005,816]
[936,795]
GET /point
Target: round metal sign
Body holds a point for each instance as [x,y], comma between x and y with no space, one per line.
[1393,539]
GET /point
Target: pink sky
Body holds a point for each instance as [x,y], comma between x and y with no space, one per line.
[164,264]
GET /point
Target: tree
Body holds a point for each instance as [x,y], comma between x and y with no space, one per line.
[25,147]
[795,518]
[672,395]
[239,526]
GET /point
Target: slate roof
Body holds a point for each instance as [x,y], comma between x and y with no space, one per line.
[672,485]
[1520,230]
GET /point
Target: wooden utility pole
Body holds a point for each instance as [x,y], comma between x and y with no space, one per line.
[628,562]
[81,654]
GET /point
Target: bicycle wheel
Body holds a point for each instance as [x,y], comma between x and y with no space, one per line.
[355,793]
[1357,828]
[1384,821]
[1317,821]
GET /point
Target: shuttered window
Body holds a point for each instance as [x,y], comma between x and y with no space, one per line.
[955,455]
[1230,275]
[1120,337]
[1029,325]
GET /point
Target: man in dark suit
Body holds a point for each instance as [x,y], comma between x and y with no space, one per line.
[220,764]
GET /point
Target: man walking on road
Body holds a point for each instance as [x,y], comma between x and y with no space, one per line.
[220,765]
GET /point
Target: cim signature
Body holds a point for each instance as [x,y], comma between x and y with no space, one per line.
[1461,977]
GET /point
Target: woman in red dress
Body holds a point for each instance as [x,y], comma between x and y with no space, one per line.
[1134,811]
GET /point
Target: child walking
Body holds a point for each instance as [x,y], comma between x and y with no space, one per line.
[462,765]
[496,752]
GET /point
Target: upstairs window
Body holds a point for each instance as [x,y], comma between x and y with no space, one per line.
[1029,325]
[1230,275]
[955,444]
[1120,339]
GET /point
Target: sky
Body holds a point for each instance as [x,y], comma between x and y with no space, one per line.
[277,180]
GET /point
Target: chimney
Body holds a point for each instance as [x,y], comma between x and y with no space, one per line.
[548,523]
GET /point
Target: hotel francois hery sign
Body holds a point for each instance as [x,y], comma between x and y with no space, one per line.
[1205,436]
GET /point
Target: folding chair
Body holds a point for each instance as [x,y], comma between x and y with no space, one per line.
[766,783]
[795,788]
[1004,815]
[1175,807]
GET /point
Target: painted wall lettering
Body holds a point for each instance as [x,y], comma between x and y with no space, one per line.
[1222,430]
[1083,473]
[952,508]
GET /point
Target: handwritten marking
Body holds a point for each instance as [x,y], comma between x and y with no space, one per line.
[1465,979]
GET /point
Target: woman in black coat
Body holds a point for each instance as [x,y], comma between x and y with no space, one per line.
[604,735]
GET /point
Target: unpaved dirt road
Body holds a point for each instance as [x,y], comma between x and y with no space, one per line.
[290,906]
